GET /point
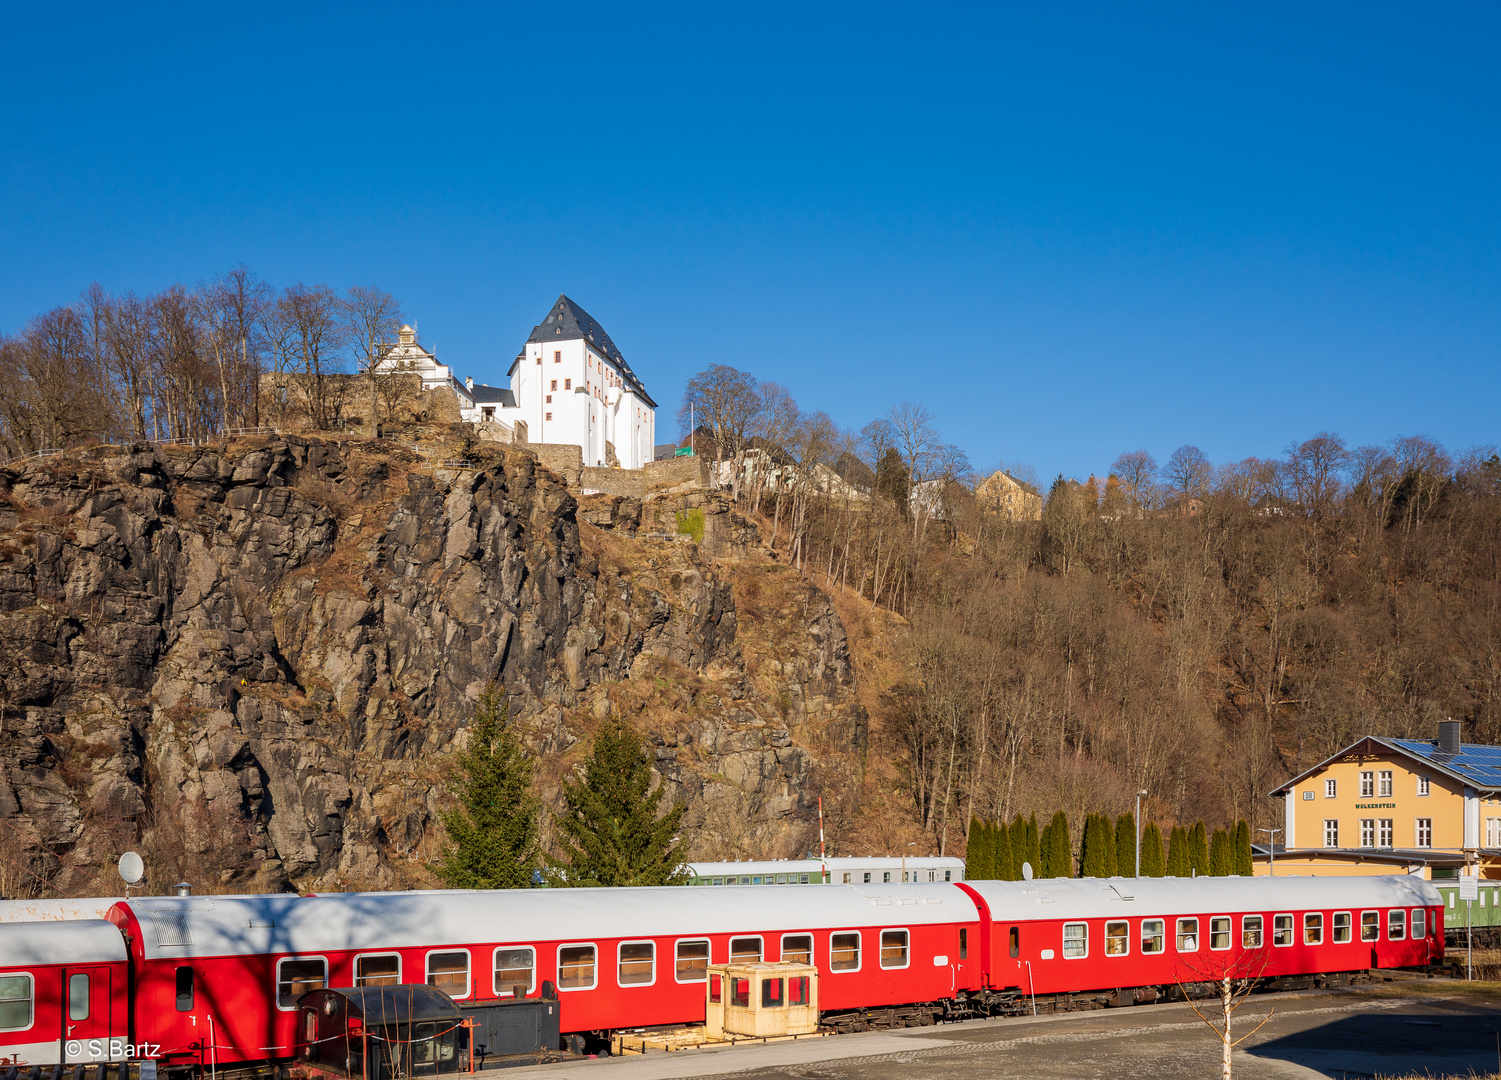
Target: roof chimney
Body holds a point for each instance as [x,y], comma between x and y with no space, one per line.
[406,335]
[1448,736]
[183,888]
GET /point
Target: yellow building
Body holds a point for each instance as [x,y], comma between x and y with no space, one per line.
[1394,806]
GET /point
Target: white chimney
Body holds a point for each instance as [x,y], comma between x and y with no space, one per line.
[469,381]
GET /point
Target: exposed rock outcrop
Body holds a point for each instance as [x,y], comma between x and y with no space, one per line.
[258,661]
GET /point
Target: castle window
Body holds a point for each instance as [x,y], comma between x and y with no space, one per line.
[554,385]
[539,359]
[557,357]
[548,416]
[549,399]
[567,384]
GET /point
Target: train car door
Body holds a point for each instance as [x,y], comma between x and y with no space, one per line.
[86,1011]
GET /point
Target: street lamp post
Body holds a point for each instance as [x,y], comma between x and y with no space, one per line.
[904,861]
[1271,851]
[1139,795]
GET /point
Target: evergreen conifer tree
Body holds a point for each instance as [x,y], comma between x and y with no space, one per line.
[611,834]
[1044,866]
[1019,847]
[1152,862]
[974,856]
[1125,845]
[1034,845]
[1198,849]
[1097,847]
[987,852]
[1221,854]
[1005,865]
[492,832]
[1178,862]
[1243,864]
[1058,855]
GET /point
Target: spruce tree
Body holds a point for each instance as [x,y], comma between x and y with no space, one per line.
[973,857]
[611,834]
[1019,847]
[1179,864]
[1092,848]
[1005,865]
[1034,844]
[1198,850]
[1058,855]
[1221,855]
[1125,845]
[1243,863]
[492,833]
[1044,866]
[987,853]
[1152,862]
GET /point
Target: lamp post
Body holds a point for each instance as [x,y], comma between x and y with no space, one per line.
[904,861]
[1271,851]
[1139,795]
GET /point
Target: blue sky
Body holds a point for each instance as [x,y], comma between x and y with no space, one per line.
[1067,230]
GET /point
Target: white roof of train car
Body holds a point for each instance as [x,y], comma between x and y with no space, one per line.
[1099,898]
[233,925]
[58,941]
[92,907]
[803,866]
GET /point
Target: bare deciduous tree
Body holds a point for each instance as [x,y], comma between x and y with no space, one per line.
[371,316]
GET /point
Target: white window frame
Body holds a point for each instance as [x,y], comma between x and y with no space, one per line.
[30,999]
[1396,917]
[1420,826]
[1063,950]
[1363,938]
[1367,783]
[1334,928]
[1307,926]
[1105,938]
[1178,934]
[1493,832]
[782,945]
[577,945]
[276,986]
[1292,930]
[354,965]
[1229,933]
[1331,832]
[1384,784]
[1386,833]
[1425,786]
[1260,931]
[619,948]
[906,949]
[760,940]
[1367,832]
[427,969]
[1330,787]
[1160,935]
[512,948]
[709,959]
[1417,924]
[859,952]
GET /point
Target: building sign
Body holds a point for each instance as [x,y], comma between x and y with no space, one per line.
[1375,806]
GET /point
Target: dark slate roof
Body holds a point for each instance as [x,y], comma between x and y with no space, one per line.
[1476,764]
[568,322]
[492,395]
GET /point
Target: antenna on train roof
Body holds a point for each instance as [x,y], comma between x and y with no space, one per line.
[132,870]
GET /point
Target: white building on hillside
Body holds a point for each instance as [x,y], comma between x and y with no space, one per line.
[571,385]
[478,403]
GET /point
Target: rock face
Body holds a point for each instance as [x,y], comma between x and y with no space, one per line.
[256,663]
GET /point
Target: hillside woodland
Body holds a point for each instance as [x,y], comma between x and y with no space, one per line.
[256,656]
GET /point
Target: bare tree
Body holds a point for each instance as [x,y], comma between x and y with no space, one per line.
[1313,471]
[233,308]
[124,349]
[1136,470]
[1188,474]
[308,336]
[371,317]
[725,399]
[1234,975]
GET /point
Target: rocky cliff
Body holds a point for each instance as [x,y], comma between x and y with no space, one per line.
[255,662]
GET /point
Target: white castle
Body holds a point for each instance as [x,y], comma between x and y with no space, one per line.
[570,385]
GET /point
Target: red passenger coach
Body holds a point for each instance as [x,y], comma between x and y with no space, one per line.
[64,993]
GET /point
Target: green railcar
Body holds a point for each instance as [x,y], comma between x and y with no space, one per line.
[1484,911]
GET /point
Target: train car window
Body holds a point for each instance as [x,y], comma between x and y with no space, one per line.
[715,990]
[948,875]
[1153,935]
[1117,938]
[797,991]
[844,952]
[514,967]
[963,943]
[15,1002]
[846,877]
[1341,928]
[773,993]
[1219,932]
[1282,930]
[294,978]
[1250,932]
[184,988]
[867,877]
[692,961]
[449,972]
[1013,941]
[745,950]
[380,970]
[797,948]
[310,1026]
[1370,926]
[1417,923]
[78,997]
[740,993]
[886,877]
[1188,935]
[894,948]
[1313,928]
[1396,925]
[576,967]
[720,881]
[1075,940]
[637,963]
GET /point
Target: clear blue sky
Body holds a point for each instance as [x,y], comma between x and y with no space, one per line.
[1069,231]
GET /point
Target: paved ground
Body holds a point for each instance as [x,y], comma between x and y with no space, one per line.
[1352,1034]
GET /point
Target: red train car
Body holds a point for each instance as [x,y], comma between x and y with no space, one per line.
[64,993]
